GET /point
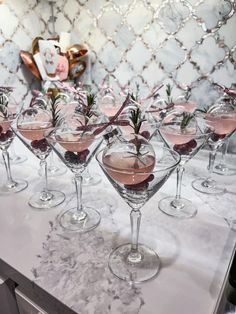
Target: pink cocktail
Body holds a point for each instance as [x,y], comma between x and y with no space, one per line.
[223,124]
[175,135]
[75,142]
[34,131]
[129,169]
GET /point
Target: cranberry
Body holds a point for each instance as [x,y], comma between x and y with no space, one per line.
[142,185]
[82,156]
[192,144]
[216,137]
[145,134]
[40,144]
[78,158]
[9,134]
[3,137]
[71,157]
[186,148]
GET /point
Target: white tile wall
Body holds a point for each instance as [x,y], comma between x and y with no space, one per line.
[185,42]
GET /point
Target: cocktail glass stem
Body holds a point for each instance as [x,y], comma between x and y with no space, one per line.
[45,194]
[222,164]
[177,202]
[80,214]
[209,182]
[10,182]
[135,219]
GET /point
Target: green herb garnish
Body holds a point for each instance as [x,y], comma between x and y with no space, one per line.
[168,93]
[3,110]
[136,120]
[54,108]
[135,96]
[203,110]
[187,117]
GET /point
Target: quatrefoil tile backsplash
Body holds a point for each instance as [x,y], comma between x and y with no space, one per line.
[182,42]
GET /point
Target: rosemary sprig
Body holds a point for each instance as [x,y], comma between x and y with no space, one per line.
[203,110]
[136,123]
[187,117]
[135,96]
[168,93]
[91,101]
[54,108]
[136,120]
[3,110]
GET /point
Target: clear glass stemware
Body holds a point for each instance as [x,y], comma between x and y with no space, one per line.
[222,118]
[137,170]
[187,141]
[30,127]
[6,138]
[75,144]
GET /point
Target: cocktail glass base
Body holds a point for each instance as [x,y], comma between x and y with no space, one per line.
[207,186]
[17,159]
[72,221]
[54,171]
[44,201]
[181,208]
[15,187]
[224,170]
[146,266]
[89,180]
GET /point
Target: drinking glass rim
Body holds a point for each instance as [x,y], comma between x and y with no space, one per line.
[196,134]
[140,173]
[48,132]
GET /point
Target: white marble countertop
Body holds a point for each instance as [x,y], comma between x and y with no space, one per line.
[195,253]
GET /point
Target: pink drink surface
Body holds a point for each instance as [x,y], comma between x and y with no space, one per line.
[223,124]
[75,143]
[188,106]
[5,125]
[34,131]
[109,111]
[128,169]
[174,135]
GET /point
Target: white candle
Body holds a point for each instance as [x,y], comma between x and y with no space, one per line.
[64,41]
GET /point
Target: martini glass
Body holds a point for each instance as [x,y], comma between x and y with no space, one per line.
[137,170]
[75,144]
[187,141]
[223,120]
[30,127]
[6,138]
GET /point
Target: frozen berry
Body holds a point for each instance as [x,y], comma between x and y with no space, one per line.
[71,157]
[43,145]
[216,137]
[182,149]
[34,144]
[3,137]
[9,134]
[40,144]
[192,144]
[142,185]
[82,156]
[145,134]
